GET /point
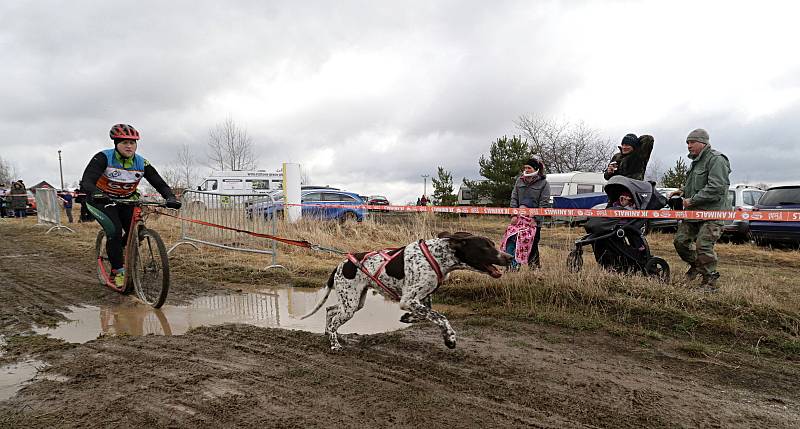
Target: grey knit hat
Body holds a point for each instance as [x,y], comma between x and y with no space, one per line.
[698,135]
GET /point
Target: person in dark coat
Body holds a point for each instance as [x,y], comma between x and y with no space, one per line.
[632,158]
[66,201]
[80,198]
[532,190]
[19,199]
[5,201]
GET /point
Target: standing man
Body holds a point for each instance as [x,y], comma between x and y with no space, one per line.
[19,199]
[632,158]
[66,201]
[706,188]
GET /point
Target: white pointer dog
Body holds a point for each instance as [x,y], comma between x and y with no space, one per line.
[408,275]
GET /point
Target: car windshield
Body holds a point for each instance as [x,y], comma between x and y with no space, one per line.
[556,188]
[781,197]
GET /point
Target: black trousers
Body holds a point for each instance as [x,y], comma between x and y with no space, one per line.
[533,258]
[115,220]
[85,216]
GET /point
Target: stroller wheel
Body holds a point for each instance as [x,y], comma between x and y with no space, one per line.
[657,267]
[575,260]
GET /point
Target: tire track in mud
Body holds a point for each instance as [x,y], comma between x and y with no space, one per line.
[387,371]
[39,295]
[42,281]
[238,375]
[383,368]
[267,375]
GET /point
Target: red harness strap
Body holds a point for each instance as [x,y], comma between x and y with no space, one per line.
[435,265]
[387,258]
[374,277]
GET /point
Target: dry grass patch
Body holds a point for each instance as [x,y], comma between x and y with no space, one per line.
[757,303]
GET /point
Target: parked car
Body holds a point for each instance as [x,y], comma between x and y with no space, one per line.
[304,187]
[31,208]
[377,200]
[742,197]
[664,224]
[324,204]
[767,232]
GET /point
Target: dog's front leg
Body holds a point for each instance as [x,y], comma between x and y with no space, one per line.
[420,311]
[410,318]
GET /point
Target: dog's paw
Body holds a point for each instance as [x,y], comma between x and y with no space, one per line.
[450,341]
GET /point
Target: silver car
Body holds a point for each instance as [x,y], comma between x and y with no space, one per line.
[742,197]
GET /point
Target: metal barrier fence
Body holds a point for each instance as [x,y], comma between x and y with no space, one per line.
[48,209]
[251,212]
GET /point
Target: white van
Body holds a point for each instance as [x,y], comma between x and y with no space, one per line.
[242,182]
[575,183]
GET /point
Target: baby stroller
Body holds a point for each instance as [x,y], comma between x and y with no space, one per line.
[618,243]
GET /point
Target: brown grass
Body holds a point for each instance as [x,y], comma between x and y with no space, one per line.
[758,301]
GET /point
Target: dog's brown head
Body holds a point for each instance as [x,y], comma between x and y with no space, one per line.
[479,253]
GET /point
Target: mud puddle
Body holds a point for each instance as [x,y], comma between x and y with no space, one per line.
[14,376]
[276,308]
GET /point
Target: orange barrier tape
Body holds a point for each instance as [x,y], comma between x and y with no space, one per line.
[745,215]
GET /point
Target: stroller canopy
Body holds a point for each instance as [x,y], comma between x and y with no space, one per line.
[645,196]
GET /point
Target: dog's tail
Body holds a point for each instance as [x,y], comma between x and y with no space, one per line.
[329,287]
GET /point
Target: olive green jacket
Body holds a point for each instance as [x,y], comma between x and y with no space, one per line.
[707,181]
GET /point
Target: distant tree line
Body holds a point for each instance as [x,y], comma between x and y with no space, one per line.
[562,146]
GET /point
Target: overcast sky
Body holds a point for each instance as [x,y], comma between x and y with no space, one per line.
[370,95]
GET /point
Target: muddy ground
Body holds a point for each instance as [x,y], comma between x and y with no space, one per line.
[504,373]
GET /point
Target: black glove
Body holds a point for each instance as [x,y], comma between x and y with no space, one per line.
[173,203]
[675,202]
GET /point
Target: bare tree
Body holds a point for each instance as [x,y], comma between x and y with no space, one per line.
[172,175]
[564,146]
[8,173]
[230,147]
[185,163]
[655,171]
[545,139]
[305,176]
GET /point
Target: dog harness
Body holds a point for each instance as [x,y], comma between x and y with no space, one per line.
[388,258]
